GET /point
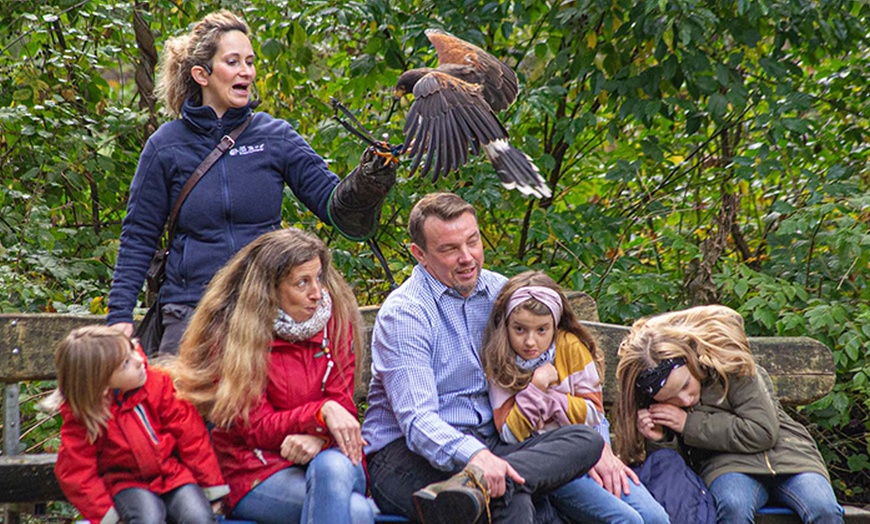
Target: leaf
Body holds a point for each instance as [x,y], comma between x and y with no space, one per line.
[858,462]
[22,94]
[271,48]
[718,105]
[362,65]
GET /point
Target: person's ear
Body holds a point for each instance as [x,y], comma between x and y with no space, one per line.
[419,254]
[200,74]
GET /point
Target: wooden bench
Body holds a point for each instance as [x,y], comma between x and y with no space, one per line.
[802,371]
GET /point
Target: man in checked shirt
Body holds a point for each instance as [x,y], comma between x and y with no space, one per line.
[429,418]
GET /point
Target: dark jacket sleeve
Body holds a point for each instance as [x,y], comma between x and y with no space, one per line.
[147,210]
[307,175]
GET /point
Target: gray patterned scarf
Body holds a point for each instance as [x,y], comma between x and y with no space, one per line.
[540,360]
[292,331]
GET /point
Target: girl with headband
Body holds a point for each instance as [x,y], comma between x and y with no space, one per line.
[545,371]
[688,381]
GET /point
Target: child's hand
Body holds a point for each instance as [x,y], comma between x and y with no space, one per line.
[669,416]
[545,376]
[300,449]
[647,427]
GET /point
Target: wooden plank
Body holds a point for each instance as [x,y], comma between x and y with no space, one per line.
[853,515]
[801,369]
[27,342]
[29,478]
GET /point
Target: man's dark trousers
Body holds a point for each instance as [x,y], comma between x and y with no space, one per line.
[545,461]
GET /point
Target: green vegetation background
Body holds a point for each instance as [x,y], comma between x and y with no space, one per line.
[699,150]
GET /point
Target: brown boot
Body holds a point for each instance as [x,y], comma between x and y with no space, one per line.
[461,499]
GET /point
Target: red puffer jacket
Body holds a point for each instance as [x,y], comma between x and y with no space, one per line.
[250,453]
[153,441]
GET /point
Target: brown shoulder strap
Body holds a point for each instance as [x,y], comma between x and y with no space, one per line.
[226,143]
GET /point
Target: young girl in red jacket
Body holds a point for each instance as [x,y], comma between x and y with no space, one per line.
[130,450]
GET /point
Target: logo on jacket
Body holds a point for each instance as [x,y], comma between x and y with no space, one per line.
[247,150]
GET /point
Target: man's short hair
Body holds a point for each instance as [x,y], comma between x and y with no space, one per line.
[444,206]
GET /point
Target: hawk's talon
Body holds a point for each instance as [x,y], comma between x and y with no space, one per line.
[383,150]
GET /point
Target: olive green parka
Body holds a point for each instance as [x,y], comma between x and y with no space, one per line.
[744,431]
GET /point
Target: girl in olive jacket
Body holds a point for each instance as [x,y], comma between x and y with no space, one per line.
[688,380]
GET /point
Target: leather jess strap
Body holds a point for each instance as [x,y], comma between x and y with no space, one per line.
[226,143]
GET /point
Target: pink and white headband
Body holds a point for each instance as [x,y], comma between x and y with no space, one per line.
[544,295]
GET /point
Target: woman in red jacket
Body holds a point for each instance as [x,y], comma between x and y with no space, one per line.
[130,449]
[269,359]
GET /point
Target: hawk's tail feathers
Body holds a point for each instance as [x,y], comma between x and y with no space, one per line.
[516,169]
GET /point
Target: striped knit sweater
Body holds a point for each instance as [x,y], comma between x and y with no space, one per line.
[577,399]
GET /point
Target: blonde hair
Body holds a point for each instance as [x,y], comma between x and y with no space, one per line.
[222,366]
[198,47]
[497,356]
[710,338]
[444,206]
[85,361]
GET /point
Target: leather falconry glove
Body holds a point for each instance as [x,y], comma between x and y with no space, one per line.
[355,203]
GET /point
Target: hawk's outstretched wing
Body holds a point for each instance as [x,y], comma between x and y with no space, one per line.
[454,112]
[500,85]
[450,116]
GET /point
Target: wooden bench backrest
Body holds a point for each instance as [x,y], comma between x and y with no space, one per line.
[801,368]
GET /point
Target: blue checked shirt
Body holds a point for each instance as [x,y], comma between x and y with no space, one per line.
[428,384]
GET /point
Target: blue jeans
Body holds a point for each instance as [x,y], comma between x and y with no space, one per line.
[584,500]
[738,496]
[185,504]
[330,489]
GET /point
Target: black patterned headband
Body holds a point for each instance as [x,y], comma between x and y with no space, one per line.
[652,380]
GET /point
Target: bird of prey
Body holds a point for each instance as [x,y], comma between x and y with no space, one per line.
[454,111]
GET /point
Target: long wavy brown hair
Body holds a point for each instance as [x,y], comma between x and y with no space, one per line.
[85,361]
[710,338]
[497,356]
[222,363]
[198,47]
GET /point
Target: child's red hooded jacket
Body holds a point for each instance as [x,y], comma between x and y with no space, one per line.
[153,441]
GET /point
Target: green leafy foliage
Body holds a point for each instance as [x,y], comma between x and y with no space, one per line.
[699,151]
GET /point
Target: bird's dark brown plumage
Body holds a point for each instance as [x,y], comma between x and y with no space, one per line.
[454,112]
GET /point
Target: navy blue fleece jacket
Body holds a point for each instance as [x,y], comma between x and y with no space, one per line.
[238,199]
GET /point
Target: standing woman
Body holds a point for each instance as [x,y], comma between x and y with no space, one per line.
[269,360]
[207,78]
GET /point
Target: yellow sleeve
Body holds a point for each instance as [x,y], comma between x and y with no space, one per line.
[579,380]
